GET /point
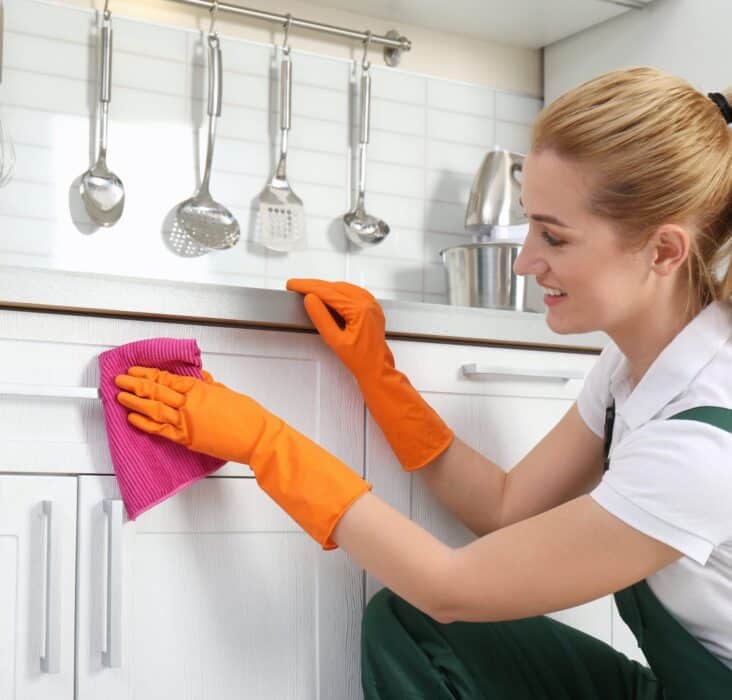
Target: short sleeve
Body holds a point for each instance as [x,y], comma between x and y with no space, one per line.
[672,480]
[594,396]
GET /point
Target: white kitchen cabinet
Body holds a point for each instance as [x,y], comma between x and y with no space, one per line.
[502,415]
[214,593]
[220,595]
[37,574]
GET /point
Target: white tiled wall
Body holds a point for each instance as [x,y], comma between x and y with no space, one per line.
[428,137]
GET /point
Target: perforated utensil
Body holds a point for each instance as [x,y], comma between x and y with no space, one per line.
[101,190]
[201,218]
[281,215]
[361,228]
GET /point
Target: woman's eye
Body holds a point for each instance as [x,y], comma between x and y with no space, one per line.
[550,239]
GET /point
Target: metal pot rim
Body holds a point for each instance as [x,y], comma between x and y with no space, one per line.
[487,244]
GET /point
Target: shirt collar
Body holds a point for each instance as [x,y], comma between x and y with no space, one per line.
[674,368]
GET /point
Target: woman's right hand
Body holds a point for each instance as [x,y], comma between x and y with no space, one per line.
[359,339]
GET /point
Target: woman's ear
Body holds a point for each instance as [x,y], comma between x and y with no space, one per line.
[669,246]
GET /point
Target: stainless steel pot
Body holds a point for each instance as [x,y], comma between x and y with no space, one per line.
[481,274]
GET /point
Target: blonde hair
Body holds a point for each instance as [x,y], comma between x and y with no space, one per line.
[658,151]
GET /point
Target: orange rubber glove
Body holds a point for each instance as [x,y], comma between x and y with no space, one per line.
[308,482]
[415,432]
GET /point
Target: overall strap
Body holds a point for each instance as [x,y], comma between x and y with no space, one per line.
[713,415]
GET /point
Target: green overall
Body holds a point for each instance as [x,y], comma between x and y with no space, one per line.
[406,655]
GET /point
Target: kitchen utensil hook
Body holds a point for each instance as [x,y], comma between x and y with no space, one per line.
[214,13]
[364,62]
[285,46]
[107,13]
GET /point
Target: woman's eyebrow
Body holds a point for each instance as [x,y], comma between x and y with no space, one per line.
[546,218]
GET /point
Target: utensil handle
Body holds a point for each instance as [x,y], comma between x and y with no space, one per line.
[51,659]
[106,68]
[554,375]
[285,92]
[214,76]
[365,106]
[111,656]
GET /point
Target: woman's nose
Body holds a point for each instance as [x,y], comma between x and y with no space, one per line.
[527,262]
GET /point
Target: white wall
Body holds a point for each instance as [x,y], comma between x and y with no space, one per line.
[687,37]
[428,137]
[434,53]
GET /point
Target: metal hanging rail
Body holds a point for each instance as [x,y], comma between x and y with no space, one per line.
[392,42]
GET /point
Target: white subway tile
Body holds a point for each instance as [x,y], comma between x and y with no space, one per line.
[395,210]
[463,128]
[400,244]
[435,242]
[143,107]
[44,19]
[146,73]
[395,179]
[307,263]
[149,39]
[315,167]
[237,89]
[25,236]
[243,157]
[517,108]
[33,164]
[444,217]
[393,84]
[234,123]
[455,157]
[446,186]
[319,71]
[435,279]
[46,92]
[460,97]
[319,103]
[318,135]
[397,117]
[383,274]
[435,298]
[388,147]
[396,294]
[514,137]
[46,56]
[27,199]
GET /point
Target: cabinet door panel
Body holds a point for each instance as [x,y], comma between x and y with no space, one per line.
[501,415]
[223,596]
[37,568]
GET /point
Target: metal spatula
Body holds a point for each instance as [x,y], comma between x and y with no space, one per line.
[281,215]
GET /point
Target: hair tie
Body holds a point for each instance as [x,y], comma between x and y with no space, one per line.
[721,101]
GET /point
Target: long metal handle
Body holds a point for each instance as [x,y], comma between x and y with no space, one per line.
[112,654]
[285,92]
[105,89]
[51,658]
[560,375]
[61,392]
[365,106]
[214,76]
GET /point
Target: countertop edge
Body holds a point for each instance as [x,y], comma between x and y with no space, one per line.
[90,293]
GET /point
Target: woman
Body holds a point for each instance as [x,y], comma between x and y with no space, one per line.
[628,187]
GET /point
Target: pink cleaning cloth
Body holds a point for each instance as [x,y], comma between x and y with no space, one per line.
[149,468]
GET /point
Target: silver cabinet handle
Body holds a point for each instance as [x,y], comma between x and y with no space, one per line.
[111,656]
[51,659]
[554,375]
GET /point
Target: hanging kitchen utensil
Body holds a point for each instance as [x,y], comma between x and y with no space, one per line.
[281,215]
[200,217]
[101,190]
[362,228]
[7,151]
[495,194]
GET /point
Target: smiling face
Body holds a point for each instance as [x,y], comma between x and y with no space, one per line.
[570,249]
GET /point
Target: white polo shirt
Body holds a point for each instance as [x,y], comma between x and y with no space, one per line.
[672,479]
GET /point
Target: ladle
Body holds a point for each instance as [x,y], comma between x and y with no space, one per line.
[101,190]
[202,218]
[361,228]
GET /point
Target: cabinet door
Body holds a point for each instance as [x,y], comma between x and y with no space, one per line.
[37,567]
[215,593]
[502,410]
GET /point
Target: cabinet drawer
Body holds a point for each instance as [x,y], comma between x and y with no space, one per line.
[292,374]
